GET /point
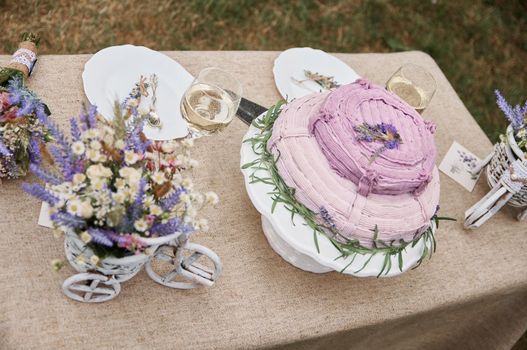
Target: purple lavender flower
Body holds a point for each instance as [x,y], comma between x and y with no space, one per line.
[100,236]
[15,89]
[74,129]
[327,219]
[35,157]
[68,220]
[516,115]
[24,98]
[45,175]
[92,117]
[41,113]
[40,192]
[63,161]
[172,199]
[136,208]
[173,225]
[58,136]
[3,149]
[135,142]
[383,133]
[391,144]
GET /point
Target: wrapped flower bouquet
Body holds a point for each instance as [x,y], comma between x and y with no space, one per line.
[123,201]
[22,114]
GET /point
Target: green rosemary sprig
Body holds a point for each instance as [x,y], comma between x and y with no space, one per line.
[284,194]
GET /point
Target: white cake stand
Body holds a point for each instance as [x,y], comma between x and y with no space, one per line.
[294,240]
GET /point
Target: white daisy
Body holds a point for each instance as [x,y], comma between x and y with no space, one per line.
[211,198]
[91,133]
[85,210]
[97,184]
[155,210]
[96,145]
[119,144]
[130,157]
[73,206]
[140,225]
[120,183]
[159,177]
[79,178]
[119,197]
[94,259]
[78,148]
[85,237]
[93,155]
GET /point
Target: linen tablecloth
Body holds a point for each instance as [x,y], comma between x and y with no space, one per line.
[471,295]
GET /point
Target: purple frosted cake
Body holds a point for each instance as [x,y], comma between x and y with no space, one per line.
[361,158]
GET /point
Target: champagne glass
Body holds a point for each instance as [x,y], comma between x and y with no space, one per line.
[211,101]
[414,85]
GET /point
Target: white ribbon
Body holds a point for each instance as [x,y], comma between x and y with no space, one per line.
[25,57]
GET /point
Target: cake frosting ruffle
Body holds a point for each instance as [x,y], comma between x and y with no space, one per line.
[326,185]
[406,167]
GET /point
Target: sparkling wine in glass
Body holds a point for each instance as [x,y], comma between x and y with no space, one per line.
[414,85]
[211,102]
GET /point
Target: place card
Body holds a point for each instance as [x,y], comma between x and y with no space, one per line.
[461,165]
[43,218]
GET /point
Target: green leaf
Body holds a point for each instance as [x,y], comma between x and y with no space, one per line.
[349,264]
[316,240]
[365,264]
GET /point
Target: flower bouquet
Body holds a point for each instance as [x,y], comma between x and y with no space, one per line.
[506,168]
[22,129]
[122,201]
[22,114]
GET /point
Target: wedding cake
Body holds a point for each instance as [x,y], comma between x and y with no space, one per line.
[362,161]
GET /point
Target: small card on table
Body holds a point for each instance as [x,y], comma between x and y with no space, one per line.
[459,164]
[43,218]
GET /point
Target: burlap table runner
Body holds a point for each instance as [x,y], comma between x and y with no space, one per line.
[471,295]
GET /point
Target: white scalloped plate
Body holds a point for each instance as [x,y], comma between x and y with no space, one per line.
[294,240]
[292,62]
[111,73]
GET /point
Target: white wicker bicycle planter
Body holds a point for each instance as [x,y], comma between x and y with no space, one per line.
[507,177]
[102,282]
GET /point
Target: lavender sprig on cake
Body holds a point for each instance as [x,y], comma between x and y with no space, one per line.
[383,133]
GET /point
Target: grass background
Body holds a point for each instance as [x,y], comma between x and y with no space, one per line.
[480,45]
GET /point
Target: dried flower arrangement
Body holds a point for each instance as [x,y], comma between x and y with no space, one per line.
[323,81]
[22,114]
[111,186]
[23,129]
[517,117]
